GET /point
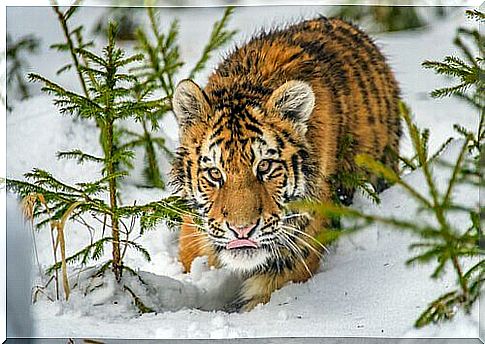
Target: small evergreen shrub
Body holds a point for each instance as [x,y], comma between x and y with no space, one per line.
[55,202]
[470,73]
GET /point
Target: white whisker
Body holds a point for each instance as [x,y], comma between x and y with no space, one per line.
[319,254]
[286,217]
[297,252]
[309,236]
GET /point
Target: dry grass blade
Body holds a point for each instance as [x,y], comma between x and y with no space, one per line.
[61,241]
[42,200]
[60,225]
[28,205]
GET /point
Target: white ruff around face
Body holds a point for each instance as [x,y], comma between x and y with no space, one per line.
[244,260]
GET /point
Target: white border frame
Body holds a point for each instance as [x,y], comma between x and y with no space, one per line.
[160,3]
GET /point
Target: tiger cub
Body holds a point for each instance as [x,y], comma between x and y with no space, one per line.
[266,130]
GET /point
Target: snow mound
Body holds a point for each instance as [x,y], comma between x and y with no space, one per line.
[205,289]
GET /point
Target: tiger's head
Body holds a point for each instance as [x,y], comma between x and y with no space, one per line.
[240,161]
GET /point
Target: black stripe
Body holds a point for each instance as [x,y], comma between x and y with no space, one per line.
[216,143]
[253,128]
[251,118]
[212,184]
[217,132]
[280,142]
[296,172]
[275,173]
[188,174]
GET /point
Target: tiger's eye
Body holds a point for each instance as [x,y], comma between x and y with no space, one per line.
[264,166]
[215,174]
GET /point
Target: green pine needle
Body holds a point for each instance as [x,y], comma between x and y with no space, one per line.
[218,38]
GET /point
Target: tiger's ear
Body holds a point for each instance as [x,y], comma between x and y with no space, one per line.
[189,103]
[294,100]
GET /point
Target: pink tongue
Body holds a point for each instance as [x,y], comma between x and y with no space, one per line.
[241,243]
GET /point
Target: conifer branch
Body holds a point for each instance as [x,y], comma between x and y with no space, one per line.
[16,63]
[79,156]
[63,21]
[218,38]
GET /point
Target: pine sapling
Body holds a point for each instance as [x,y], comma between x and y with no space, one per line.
[470,73]
[108,103]
[110,96]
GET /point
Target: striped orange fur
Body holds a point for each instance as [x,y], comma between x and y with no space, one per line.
[266,130]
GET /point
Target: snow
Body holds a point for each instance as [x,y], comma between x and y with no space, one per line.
[363,287]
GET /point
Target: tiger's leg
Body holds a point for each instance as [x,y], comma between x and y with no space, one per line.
[189,248]
[193,243]
[259,287]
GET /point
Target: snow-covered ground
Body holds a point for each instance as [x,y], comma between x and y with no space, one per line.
[363,287]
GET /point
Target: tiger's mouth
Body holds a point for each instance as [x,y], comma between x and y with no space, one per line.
[241,243]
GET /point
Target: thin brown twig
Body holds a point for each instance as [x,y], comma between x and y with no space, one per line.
[70,44]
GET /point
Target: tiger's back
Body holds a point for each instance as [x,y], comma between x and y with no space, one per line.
[356,93]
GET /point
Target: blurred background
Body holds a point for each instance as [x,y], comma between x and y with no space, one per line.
[28,45]
[29,41]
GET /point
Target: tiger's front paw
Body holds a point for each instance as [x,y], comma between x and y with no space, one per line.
[251,304]
[241,306]
[234,306]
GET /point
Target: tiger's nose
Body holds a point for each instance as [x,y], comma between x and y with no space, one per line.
[243,232]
